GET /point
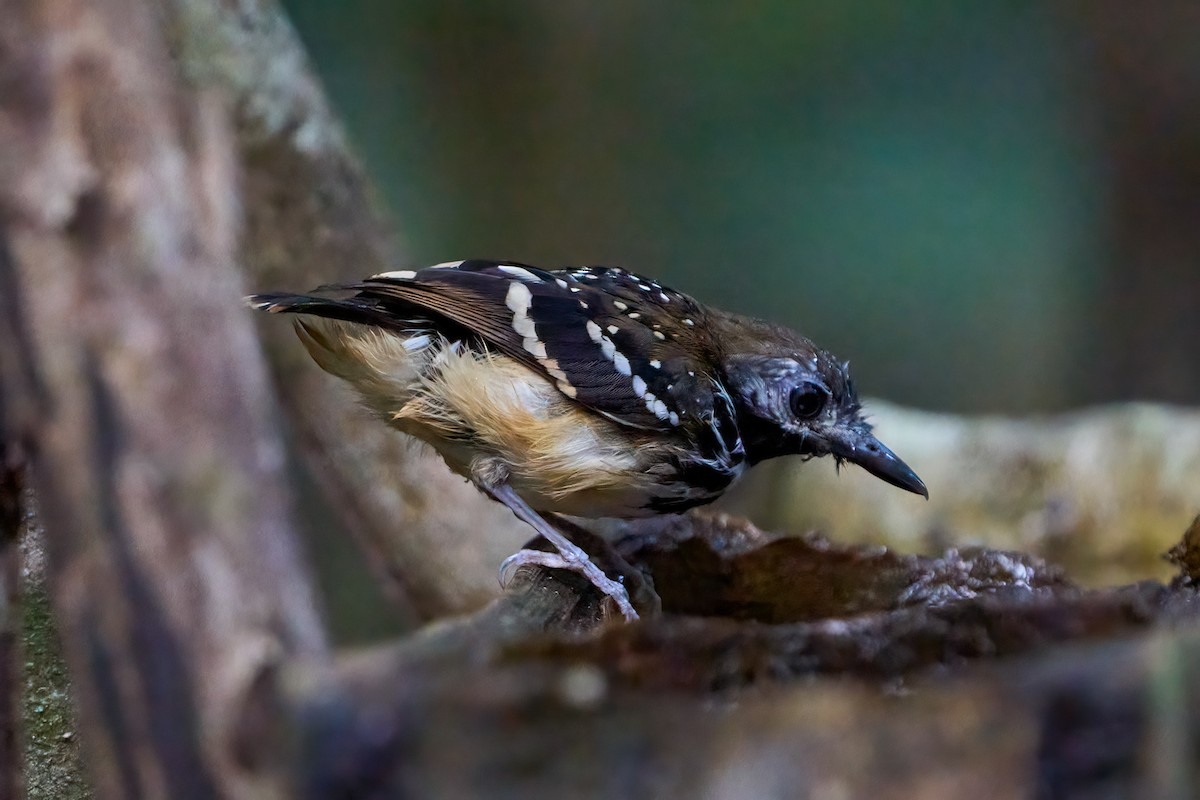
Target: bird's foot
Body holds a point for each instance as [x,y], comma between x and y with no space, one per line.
[530,558]
[596,576]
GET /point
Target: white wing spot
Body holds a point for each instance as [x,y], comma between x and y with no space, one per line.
[687,321]
[621,363]
[660,409]
[518,300]
[674,418]
[576,289]
[620,306]
[520,273]
[396,274]
[524,326]
[609,349]
[659,335]
[561,283]
[635,315]
[654,362]
[663,296]
[448,265]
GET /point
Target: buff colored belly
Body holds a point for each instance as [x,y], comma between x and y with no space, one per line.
[466,405]
[560,457]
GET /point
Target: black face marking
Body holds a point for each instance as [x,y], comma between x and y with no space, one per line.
[802,403]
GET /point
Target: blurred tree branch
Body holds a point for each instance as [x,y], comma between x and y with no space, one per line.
[1145,73]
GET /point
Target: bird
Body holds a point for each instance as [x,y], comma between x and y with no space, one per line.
[586,391]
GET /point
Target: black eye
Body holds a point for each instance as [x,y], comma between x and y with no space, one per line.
[807,400]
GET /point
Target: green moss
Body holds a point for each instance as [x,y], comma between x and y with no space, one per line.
[52,762]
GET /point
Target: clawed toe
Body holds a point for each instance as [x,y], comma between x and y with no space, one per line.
[569,556]
[596,576]
[530,558]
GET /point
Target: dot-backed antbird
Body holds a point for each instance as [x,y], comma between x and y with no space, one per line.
[592,391]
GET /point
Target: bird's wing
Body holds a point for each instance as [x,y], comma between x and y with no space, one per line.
[619,344]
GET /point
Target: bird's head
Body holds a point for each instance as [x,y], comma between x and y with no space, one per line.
[793,398]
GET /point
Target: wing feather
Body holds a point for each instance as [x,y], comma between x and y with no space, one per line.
[608,338]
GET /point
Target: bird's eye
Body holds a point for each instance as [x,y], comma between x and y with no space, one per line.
[807,400]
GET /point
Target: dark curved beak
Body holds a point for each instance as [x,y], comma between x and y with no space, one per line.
[862,448]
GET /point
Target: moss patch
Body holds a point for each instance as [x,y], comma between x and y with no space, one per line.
[52,762]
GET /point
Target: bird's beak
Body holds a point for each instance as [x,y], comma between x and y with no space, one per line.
[862,448]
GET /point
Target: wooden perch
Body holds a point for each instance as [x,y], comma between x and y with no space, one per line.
[131,375]
[707,706]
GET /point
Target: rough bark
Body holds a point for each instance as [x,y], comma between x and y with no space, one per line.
[154,449]
[502,704]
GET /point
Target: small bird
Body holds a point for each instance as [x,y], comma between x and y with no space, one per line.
[588,391]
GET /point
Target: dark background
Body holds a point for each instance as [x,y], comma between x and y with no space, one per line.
[986,207]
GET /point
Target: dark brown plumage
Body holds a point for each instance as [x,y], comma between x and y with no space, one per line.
[589,391]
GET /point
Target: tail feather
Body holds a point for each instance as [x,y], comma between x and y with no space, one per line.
[379,350]
[350,309]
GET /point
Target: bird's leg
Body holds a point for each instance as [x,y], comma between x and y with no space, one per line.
[605,555]
[570,556]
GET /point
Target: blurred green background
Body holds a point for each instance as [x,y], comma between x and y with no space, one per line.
[985,206]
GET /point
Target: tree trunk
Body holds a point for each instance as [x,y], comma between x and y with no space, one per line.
[156,455]
[1146,77]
